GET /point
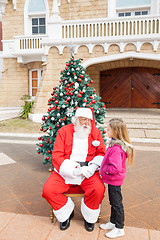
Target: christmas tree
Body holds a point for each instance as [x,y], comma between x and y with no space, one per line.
[74,91]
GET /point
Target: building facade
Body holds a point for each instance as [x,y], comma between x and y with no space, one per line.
[119,41]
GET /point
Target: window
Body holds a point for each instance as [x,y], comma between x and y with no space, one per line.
[38,26]
[126,14]
[141,13]
[34,80]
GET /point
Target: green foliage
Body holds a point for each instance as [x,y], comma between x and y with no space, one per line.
[74,91]
[27,107]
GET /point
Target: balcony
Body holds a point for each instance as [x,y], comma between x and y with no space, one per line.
[26,49]
[91,32]
[88,32]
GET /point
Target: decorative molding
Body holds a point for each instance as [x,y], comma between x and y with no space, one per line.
[120,56]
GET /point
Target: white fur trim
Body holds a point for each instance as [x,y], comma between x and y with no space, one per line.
[63,213]
[67,168]
[95,143]
[84,112]
[90,215]
[97,160]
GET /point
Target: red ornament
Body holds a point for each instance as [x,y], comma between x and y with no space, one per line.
[81,76]
[94,90]
[49,109]
[43,118]
[72,83]
[62,71]
[41,129]
[50,127]
[81,59]
[68,98]
[39,138]
[51,94]
[49,151]
[56,95]
[93,101]
[74,74]
[91,81]
[71,59]
[71,93]
[71,63]
[50,142]
[47,158]
[38,152]
[56,102]
[53,108]
[104,106]
[104,131]
[79,80]
[54,88]
[67,64]
[81,92]
[58,108]
[66,68]
[87,84]
[48,117]
[41,145]
[58,125]
[85,100]
[68,85]
[65,102]
[91,97]
[44,130]
[79,95]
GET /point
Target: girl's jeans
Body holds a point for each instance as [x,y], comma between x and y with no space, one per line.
[117,210]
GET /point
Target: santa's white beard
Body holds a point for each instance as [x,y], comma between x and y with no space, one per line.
[82,131]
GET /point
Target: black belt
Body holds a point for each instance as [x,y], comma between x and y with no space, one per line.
[83,163]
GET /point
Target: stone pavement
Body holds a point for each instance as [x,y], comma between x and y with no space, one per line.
[25,215]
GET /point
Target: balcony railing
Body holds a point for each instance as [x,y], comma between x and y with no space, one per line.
[30,43]
[103,28]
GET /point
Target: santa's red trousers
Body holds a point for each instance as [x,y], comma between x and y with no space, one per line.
[55,186]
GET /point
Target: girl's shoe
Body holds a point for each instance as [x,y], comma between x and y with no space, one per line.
[107,226]
[115,232]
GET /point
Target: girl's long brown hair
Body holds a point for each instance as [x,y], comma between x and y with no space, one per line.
[120,132]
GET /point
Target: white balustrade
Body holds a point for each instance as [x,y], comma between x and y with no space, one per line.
[103,28]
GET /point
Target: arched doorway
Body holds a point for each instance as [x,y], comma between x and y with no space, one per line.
[131,87]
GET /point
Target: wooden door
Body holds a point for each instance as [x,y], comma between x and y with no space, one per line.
[145,88]
[131,87]
[115,88]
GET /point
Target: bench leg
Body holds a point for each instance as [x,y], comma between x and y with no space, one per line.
[51,214]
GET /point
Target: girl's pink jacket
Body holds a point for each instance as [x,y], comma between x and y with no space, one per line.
[113,167]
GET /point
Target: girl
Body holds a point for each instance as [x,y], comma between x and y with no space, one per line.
[113,172]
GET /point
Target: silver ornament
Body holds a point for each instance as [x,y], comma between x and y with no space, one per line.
[75,77]
[63,106]
[61,94]
[52,118]
[68,73]
[58,114]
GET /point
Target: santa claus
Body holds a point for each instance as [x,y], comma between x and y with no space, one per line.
[77,155]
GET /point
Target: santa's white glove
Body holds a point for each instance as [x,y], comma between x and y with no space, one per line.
[77,171]
[88,171]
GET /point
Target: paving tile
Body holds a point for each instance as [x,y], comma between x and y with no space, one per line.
[5,219]
[154,235]
[35,204]
[150,189]
[75,231]
[130,234]
[12,205]
[148,212]
[5,193]
[25,227]
[4,159]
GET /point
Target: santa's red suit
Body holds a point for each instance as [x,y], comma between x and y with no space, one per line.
[67,152]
